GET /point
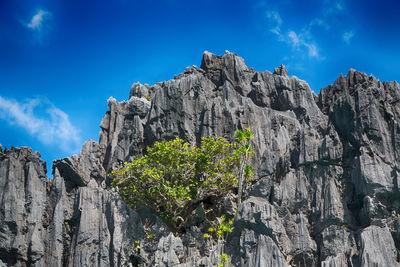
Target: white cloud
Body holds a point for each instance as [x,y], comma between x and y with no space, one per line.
[299,41]
[275,21]
[43,120]
[319,22]
[332,7]
[37,21]
[293,39]
[330,11]
[347,36]
[312,50]
[303,39]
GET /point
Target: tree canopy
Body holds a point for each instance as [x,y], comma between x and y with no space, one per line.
[173,176]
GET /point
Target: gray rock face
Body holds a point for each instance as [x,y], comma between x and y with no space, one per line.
[23,214]
[326,191]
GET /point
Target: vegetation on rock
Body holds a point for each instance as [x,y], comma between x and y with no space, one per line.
[174,176]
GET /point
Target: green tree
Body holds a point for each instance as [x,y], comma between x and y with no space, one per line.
[173,177]
[246,150]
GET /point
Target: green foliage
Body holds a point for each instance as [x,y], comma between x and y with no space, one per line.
[224,259]
[220,228]
[173,175]
[243,136]
[150,235]
[246,150]
[136,246]
[248,172]
[225,226]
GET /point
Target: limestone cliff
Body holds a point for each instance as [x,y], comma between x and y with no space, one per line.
[326,191]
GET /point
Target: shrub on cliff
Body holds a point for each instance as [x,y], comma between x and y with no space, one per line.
[174,176]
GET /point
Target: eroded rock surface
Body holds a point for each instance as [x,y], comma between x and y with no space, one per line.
[23,214]
[326,191]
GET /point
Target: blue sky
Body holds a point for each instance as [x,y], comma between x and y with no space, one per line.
[61,60]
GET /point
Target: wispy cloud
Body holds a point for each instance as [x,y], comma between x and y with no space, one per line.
[275,21]
[319,22]
[303,38]
[293,38]
[347,36]
[300,41]
[41,119]
[328,15]
[38,20]
[333,7]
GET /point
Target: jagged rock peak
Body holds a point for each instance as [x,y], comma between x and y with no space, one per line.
[139,90]
[281,70]
[228,60]
[352,78]
[25,153]
[80,169]
[355,78]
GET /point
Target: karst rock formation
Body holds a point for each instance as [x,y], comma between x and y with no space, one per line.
[326,191]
